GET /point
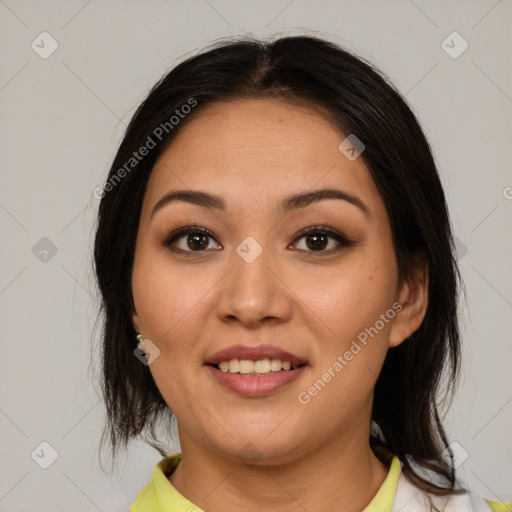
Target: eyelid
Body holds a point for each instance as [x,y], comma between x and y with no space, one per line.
[322,229]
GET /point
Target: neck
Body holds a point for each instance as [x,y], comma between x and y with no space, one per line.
[338,476]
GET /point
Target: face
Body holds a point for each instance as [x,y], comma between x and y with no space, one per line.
[253,275]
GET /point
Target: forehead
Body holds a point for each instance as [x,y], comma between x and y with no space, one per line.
[263,148]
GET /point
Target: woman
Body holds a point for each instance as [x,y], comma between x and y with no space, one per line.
[277,269]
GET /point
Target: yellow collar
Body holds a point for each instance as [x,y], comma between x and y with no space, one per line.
[161,496]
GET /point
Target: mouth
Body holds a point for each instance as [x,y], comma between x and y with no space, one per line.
[255,371]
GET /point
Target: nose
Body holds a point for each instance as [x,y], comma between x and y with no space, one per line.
[254,291]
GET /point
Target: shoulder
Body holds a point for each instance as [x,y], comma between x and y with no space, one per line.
[410,498]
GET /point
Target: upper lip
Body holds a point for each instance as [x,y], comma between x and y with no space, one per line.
[253,353]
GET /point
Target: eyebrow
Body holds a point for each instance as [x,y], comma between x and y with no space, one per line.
[293,202]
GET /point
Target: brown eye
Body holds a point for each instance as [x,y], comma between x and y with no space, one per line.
[189,239]
[317,239]
[197,241]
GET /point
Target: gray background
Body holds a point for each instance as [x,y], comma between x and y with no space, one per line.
[61,120]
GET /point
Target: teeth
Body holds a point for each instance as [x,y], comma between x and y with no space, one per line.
[260,367]
[275,365]
[224,366]
[246,366]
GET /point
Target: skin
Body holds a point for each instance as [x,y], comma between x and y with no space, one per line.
[254,153]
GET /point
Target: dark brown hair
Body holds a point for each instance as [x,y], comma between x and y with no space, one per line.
[362,102]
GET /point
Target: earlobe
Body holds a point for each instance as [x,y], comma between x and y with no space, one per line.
[136,322]
[413,297]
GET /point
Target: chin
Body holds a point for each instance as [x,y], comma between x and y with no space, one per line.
[261,449]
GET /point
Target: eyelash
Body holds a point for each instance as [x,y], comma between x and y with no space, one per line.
[313,230]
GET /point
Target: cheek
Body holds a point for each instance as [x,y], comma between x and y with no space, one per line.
[166,301]
[349,298]
[350,357]
[170,310]
[353,309]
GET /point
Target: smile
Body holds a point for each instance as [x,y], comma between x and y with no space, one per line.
[254,371]
[253,384]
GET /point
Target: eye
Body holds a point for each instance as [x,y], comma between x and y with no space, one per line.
[197,239]
[316,239]
[189,239]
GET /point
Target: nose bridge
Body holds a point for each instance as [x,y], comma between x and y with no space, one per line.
[252,291]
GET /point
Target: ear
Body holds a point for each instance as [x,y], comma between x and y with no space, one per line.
[136,321]
[412,295]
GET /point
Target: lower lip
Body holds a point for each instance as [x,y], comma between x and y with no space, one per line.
[252,385]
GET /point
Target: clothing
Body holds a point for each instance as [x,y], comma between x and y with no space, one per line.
[397,494]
